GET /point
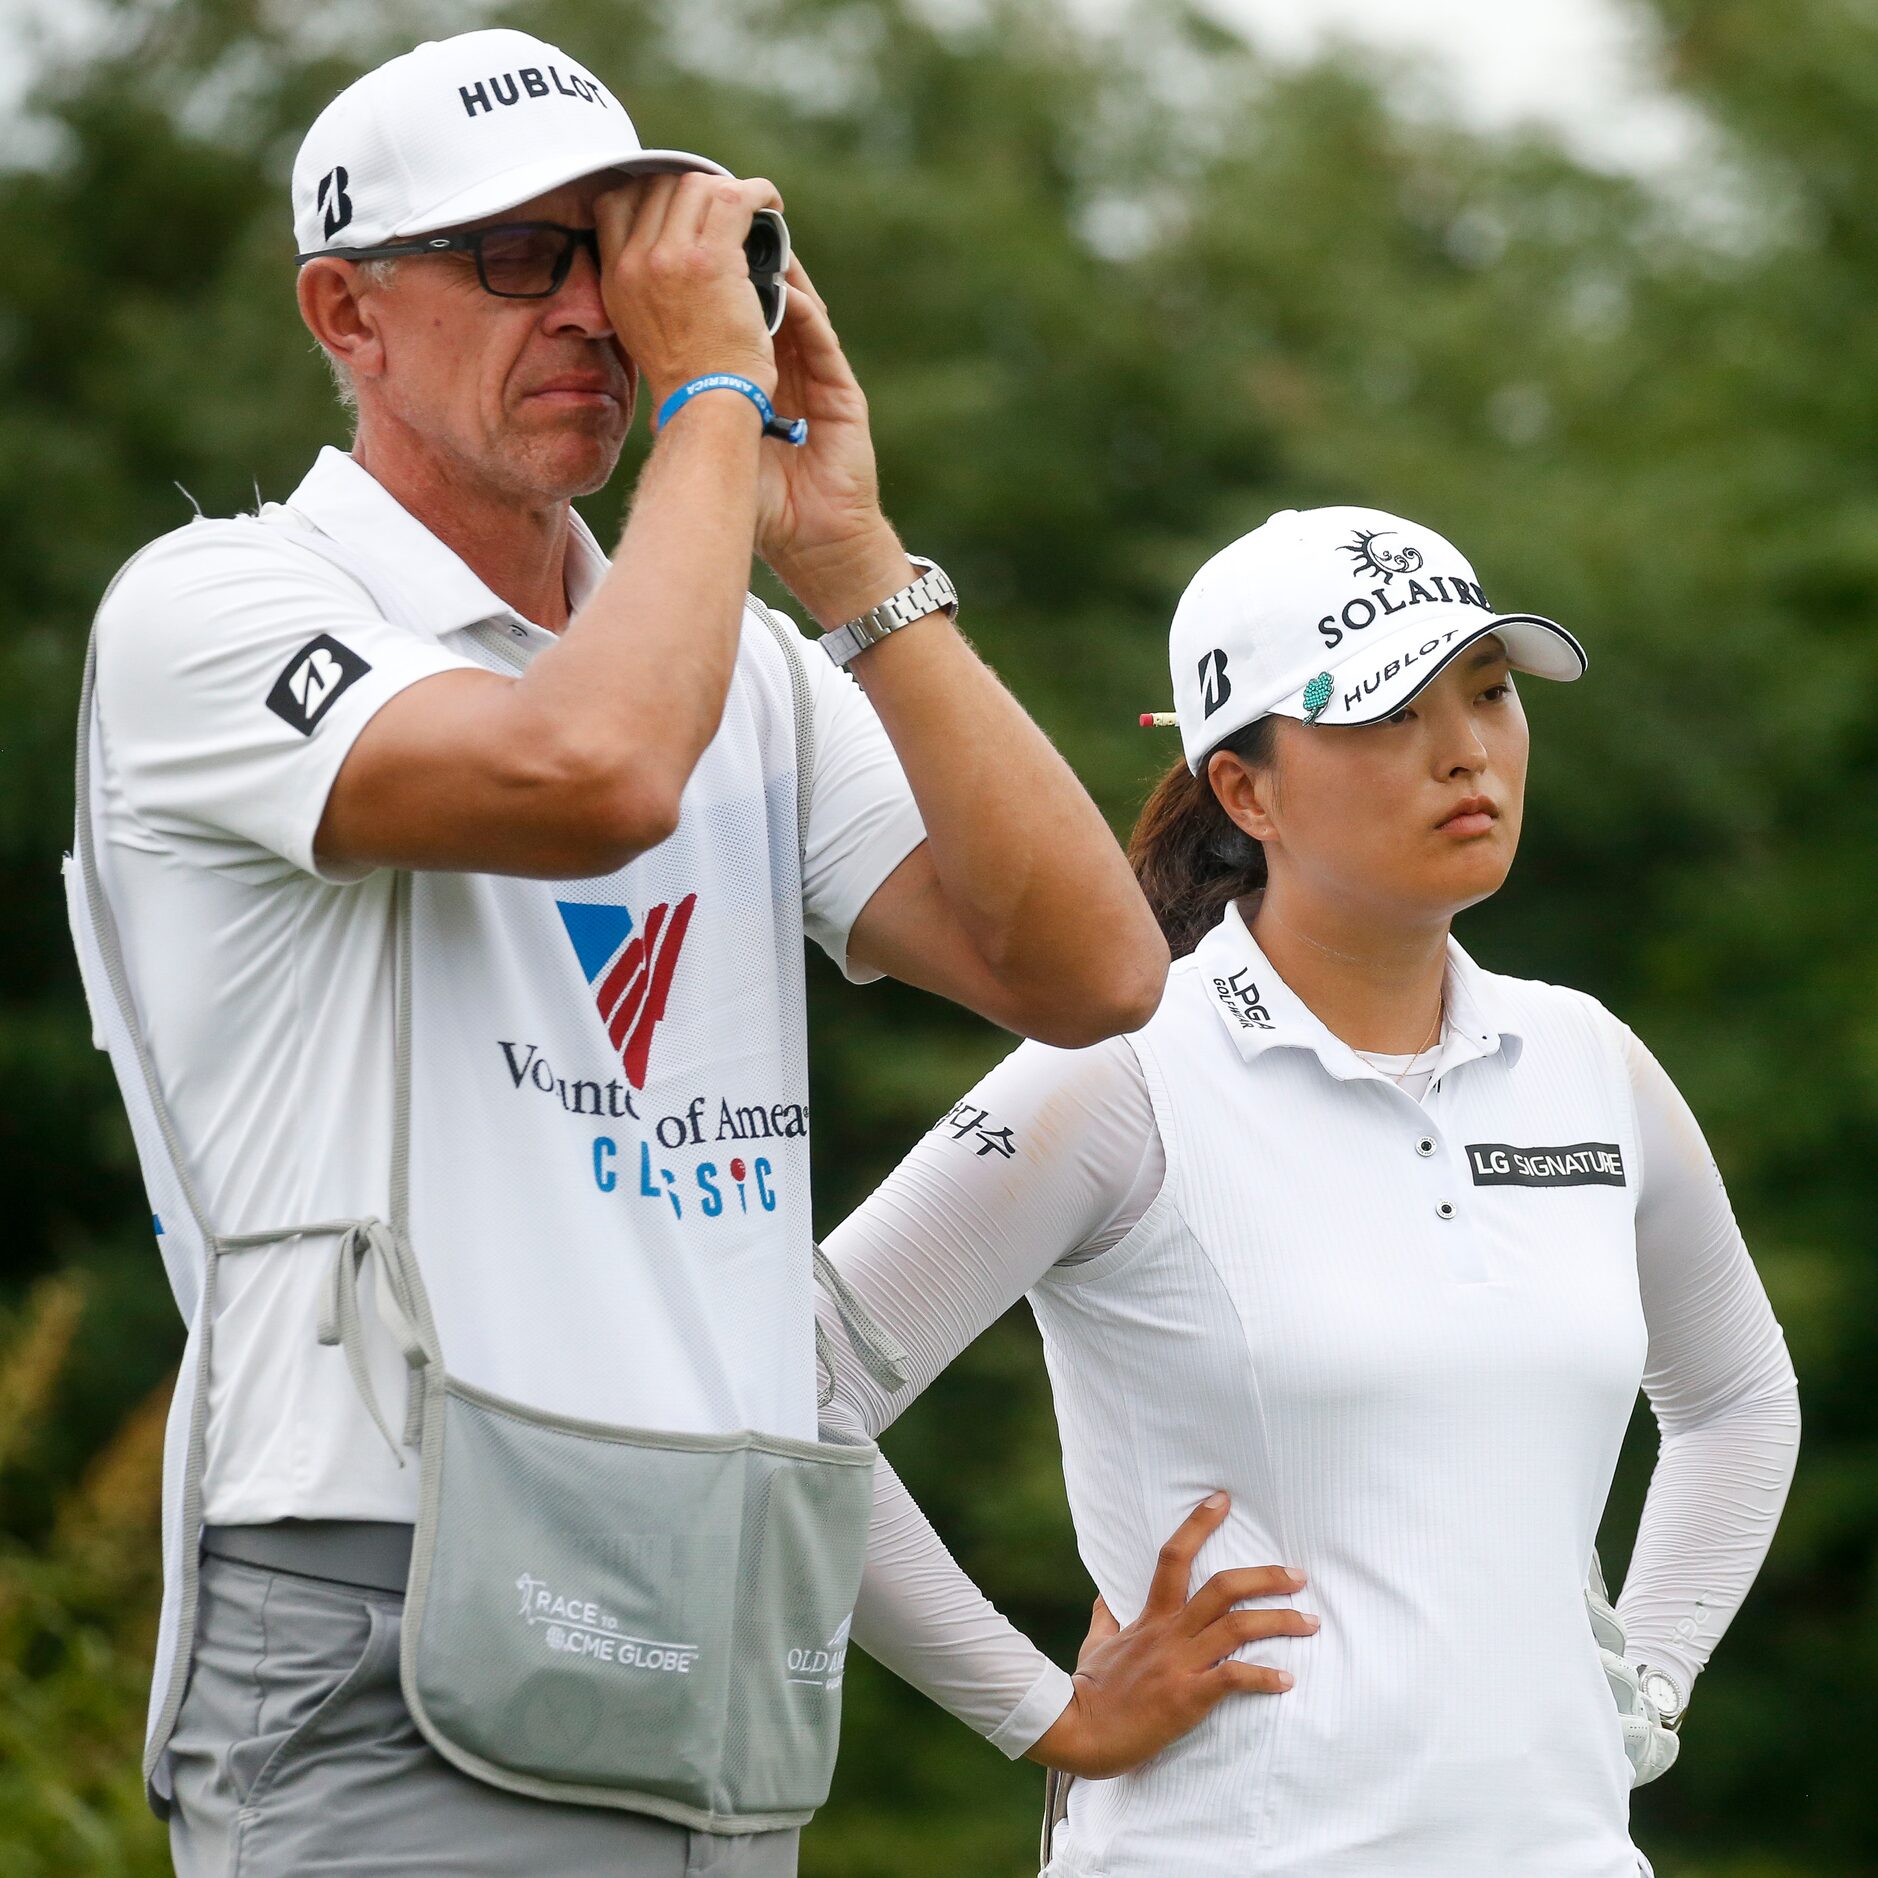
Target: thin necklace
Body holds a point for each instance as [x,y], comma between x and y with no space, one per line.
[1304,938]
[1408,1067]
[1349,958]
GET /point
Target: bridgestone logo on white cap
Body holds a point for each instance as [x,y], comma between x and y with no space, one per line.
[1215,686]
[333,202]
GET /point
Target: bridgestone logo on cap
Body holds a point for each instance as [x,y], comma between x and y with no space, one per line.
[530,81]
[334,203]
[1215,686]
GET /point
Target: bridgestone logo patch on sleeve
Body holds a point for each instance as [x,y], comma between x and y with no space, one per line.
[313,682]
[1583,1164]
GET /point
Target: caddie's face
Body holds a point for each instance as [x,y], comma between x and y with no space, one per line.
[1413,818]
[530,397]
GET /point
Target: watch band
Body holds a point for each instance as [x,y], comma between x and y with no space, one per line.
[932,592]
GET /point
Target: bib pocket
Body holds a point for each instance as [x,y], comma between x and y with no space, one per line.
[623,1617]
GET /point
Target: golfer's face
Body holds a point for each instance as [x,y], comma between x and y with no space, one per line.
[1420,813]
[530,394]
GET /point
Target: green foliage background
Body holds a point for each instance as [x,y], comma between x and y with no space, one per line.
[1116,296]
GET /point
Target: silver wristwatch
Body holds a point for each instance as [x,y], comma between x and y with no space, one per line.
[932,592]
[1663,1696]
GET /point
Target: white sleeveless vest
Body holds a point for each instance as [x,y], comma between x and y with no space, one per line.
[635,1047]
[1407,1338]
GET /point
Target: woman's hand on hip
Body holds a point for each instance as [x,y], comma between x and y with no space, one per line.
[1141,1685]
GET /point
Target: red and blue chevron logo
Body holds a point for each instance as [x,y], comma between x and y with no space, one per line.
[629,969]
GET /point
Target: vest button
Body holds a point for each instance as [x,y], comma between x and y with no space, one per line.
[1445,1210]
[1425,1147]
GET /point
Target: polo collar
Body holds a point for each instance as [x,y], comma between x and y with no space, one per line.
[1261,1012]
[438,588]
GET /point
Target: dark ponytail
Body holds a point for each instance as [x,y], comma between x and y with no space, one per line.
[1191,858]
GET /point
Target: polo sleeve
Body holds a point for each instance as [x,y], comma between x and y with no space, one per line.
[1721,1385]
[235,671]
[1053,1156]
[863,821]
[1051,1159]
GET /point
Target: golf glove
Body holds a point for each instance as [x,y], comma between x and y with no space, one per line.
[1649,1746]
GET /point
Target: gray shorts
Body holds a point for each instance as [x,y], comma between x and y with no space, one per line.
[295,1757]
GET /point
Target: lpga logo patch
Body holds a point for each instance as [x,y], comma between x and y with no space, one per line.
[580,1627]
[1242,1000]
[629,969]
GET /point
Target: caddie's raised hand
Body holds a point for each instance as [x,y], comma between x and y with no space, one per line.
[1141,1685]
[819,523]
[1650,1748]
[675,280]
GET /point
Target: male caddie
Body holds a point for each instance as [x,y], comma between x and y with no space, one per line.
[440,891]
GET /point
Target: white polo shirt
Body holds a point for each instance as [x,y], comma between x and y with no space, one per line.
[1407,1336]
[235,669]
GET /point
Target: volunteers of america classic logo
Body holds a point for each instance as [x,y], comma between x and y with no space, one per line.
[629,970]
[580,1627]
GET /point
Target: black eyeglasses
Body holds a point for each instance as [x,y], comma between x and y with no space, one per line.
[515,261]
[531,260]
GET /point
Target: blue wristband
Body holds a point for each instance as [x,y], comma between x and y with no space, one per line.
[789,429]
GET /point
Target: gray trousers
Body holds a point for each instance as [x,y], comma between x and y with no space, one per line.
[295,1757]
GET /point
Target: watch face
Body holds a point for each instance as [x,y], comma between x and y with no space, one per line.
[1662,1693]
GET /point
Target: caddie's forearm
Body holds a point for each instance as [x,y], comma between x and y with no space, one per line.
[1027,865]
[644,667]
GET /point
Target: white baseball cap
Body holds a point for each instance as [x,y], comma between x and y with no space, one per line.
[1335,616]
[455,130]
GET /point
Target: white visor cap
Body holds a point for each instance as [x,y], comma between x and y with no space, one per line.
[1335,616]
[456,130]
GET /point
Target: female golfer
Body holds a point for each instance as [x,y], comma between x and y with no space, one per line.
[1374,1242]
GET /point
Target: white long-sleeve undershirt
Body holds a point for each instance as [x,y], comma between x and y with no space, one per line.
[962,1229]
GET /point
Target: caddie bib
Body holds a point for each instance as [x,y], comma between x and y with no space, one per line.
[599,1209]
[615,1071]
